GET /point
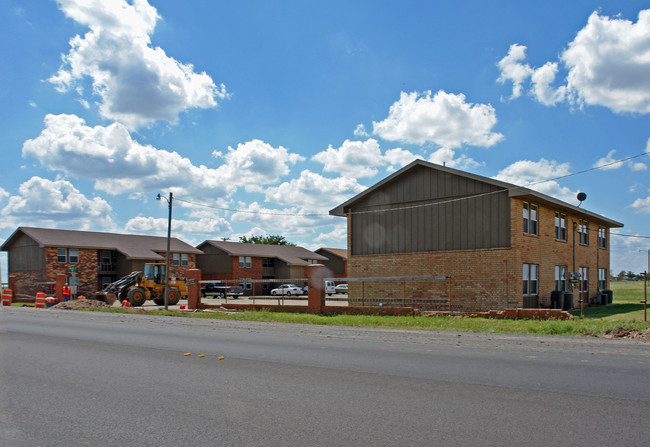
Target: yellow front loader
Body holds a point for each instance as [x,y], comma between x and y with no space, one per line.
[138,287]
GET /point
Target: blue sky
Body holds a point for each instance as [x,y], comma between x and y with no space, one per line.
[253,113]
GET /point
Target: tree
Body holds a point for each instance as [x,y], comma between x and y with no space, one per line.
[268,239]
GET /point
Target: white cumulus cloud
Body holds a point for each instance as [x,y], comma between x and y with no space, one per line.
[607,64]
[312,191]
[641,205]
[137,82]
[354,159]
[533,175]
[443,119]
[119,164]
[56,204]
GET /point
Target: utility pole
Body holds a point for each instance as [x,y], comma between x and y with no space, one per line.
[169,236]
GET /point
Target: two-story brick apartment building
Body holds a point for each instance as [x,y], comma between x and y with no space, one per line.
[37,255]
[337,261]
[502,246]
[244,262]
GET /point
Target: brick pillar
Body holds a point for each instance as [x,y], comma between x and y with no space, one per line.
[316,296]
[193,288]
[60,282]
[12,285]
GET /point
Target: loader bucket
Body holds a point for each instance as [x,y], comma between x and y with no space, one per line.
[108,297]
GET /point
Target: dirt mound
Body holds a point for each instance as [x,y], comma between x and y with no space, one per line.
[79,304]
[634,334]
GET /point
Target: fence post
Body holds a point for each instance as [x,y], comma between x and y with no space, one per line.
[316,294]
[60,282]
[193,288]
[11,284]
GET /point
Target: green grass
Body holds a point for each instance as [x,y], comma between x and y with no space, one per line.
[625,312]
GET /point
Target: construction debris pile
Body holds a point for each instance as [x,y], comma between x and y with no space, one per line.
[634,334]
[80,304]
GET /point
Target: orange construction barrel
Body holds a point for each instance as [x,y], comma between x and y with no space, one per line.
[6,297]
[40,300]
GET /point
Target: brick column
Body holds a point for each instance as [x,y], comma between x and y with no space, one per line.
[193,288]
[60,282]
[12,285]
[316,296]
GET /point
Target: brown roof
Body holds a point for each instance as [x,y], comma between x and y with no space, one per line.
[290,254]
[131,245]
[340,252]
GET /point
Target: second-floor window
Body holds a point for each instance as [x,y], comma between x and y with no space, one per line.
[530,218]
[602,237]
[61,255]
[181,259]
[560,226]
[73,255]
[268,262]
[560,278]
[529,276]
[245,262]
[583,232]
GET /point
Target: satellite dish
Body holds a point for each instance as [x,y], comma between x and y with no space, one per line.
[582,197]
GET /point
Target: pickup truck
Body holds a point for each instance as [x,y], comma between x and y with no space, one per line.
[221,290]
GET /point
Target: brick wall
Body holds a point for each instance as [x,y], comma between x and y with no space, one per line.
[547,252]
[482,280]
[86,269]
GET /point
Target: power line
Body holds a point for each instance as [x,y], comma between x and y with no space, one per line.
[442,202]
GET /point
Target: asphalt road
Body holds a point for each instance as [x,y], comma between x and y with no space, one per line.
[80,378]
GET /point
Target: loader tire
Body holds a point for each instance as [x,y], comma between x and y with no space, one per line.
[137,296]
[173,296]
[159,301]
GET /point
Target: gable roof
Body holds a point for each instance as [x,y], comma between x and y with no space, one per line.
[292,255]
[513,191]
[340,252]
[130,245]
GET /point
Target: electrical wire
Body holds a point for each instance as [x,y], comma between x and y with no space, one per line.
[442,202]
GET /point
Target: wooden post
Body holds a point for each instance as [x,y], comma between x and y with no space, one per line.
[60,282]
[193,288]
[12,280]
[316,294]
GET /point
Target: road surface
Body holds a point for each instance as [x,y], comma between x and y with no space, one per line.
[100,379]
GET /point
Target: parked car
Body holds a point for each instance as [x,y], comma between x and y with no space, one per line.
[287,289]
[341,288]
[221,290]
[330,288]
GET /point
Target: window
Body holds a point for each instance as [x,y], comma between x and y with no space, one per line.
[73,255]
[529,276]
[584,279]
[560,226]
[61,255]
[530,218]
[583,232]
[244,262]
[184,259]
[177,259]
[312,261]
[602,279]
[560,278]
[246,283]
[268,262]
[602,237]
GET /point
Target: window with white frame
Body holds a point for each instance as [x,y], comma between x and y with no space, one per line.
[602,279]
[61,255]
[583,232]
[529,276]
[246,283]
[245,262]
[176,259]
[584,279]
[73,255]
[560,278]
[530,218]
[560,226]
[602,237]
